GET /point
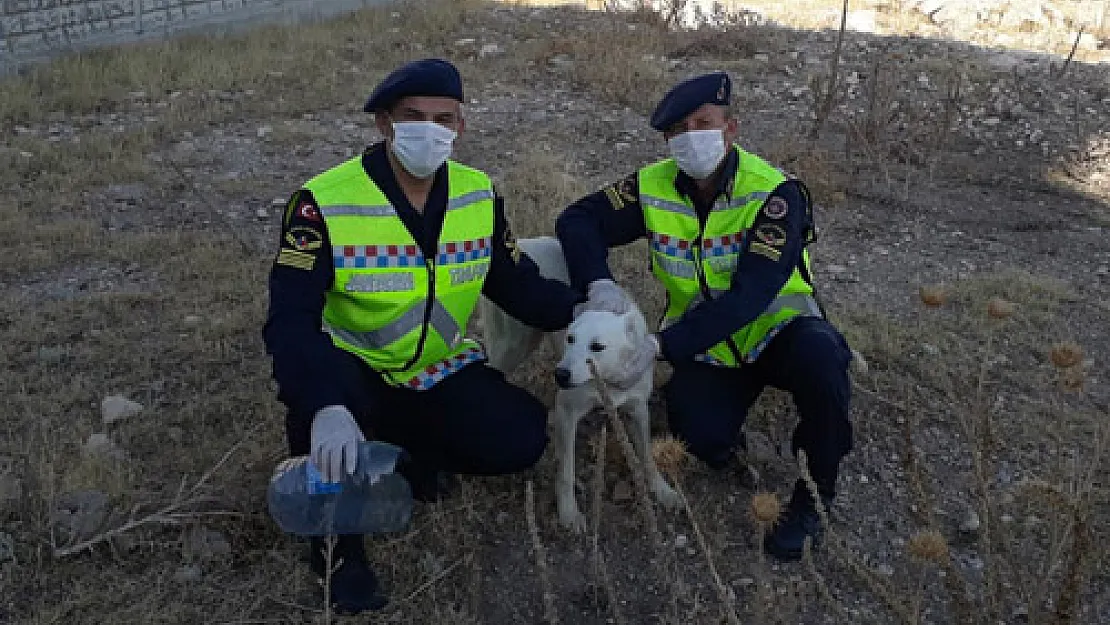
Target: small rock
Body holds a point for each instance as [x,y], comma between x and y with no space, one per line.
[469,41]
[761,57]
[52,354]
[262,213]
[205,544]
[98,445]
[863,479]
[7,548]
[117,408]
[264,131]
[79,515]
[11,488]
[191,320]
[188,573]
[681,541]
[278,203]
[885,570]
[746,581]
[489,49]
[930,349]
[970,524]
[622,491]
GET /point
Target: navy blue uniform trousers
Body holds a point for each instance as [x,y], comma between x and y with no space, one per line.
[472,422]
[809,359]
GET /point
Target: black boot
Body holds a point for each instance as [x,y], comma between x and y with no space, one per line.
[427,483]
[787,540]
[354,587]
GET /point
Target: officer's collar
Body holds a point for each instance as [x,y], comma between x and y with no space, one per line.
[687,187]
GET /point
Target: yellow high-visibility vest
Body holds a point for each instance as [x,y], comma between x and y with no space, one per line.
[696,265]
[401,312]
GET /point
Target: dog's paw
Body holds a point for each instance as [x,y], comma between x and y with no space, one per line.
[573,520]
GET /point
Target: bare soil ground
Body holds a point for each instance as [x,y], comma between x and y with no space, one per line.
[141,183]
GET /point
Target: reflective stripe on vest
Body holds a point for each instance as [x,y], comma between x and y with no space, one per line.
[440,320]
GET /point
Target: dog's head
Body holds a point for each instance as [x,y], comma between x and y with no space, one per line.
[606,339]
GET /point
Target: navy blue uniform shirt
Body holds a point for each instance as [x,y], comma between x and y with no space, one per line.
[303,354]
[613,217]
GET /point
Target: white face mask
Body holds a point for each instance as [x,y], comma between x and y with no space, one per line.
[422,146]
[698,152]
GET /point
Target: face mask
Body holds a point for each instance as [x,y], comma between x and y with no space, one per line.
[422,146]
[698,152]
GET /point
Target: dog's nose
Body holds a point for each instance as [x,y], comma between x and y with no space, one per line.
[562,377]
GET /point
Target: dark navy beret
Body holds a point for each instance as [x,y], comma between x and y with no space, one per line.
[426,77]
[688,95]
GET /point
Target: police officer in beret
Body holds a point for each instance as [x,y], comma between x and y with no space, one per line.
[381,262]
[727,234]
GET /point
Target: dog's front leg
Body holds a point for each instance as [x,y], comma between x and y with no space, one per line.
[567,414]
[641,422]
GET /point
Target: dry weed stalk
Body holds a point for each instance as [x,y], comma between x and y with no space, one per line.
[601,569]
[639,476]
[823,586]
[170,514]
[330,566]
[825,106]
[835,547]
[549,613]
[670,455]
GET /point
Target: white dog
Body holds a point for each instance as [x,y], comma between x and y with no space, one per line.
[603,338]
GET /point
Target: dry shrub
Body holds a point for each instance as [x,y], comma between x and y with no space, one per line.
[825,175]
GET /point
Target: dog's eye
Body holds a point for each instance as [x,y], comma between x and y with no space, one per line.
[596,347]
[570,339]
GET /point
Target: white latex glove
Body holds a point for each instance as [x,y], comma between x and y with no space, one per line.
[604,295]
[639,363]
[335,439]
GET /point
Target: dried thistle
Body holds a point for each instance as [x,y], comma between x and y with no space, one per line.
[933,296]
[929,546]
[998,308]
[1066,355]
[1073,379]
[766,509]
[669,453]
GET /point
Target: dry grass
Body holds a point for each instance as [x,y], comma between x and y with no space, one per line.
[155,300]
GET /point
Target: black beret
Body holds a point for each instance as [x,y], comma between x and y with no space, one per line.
[426,77]
[683,98]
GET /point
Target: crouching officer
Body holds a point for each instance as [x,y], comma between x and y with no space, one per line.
[381,262]
[727,235]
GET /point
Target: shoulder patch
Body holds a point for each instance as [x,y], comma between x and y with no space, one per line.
[622,193]
[303,238]
[771,234]
[765,250]
[775,208]
[308,212]
[297,260]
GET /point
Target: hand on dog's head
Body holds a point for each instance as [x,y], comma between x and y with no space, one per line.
[604,338]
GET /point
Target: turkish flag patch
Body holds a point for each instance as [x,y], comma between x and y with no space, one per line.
[306,210]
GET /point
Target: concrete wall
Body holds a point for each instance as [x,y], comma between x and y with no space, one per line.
[32,30]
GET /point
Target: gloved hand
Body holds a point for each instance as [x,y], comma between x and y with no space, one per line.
[639,363]
[335,439]
[604,295]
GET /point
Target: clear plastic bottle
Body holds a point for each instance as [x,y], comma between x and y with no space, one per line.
[374,499]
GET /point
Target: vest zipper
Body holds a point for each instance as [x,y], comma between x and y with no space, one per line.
[706,293]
